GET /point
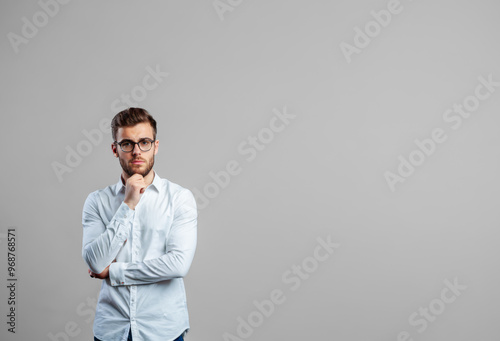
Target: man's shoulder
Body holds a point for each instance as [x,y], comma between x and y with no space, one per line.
[106,191]
[181,198]
[179,195]
[171,188]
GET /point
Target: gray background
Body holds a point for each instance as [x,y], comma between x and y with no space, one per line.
[323,175]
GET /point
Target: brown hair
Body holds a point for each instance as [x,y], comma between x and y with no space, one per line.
[130,117]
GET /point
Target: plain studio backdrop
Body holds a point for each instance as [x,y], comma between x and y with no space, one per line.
[344,156]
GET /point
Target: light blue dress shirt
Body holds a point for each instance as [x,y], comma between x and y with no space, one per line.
[154,246]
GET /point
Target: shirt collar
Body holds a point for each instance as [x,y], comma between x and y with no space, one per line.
[156,184]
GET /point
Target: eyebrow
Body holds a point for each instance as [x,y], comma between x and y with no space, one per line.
[142,138]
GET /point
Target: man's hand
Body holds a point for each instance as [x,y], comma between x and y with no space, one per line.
[134,187]
[104,274]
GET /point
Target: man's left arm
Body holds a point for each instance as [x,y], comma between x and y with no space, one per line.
[181,246]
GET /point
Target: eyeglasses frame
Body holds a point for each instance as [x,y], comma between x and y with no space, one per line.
[135,143]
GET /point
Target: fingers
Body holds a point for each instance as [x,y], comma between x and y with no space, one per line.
[136,181]
[136,177]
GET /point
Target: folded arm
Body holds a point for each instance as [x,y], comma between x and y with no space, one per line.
[175,263]
[101,243]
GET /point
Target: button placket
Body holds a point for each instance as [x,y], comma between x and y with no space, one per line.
[136,242]
[133,303]
[133,288]
[137,237]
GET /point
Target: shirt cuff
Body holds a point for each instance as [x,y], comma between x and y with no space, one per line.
[116,273]
[124,214]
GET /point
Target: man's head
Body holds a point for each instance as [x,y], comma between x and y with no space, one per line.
[135,144]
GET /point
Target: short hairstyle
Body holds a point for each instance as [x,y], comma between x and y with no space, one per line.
[129,118]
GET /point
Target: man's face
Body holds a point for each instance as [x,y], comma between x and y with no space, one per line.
[136,161]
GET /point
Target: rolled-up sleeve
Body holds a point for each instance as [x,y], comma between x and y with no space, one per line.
[101,243]
[181,246]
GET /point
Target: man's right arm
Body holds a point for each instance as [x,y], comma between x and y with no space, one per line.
[101,243]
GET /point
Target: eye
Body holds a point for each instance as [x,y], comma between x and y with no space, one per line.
[144,143]
[126,144]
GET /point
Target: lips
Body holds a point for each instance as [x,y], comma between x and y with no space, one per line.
[137,162]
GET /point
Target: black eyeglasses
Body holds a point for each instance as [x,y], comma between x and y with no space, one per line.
[127,145]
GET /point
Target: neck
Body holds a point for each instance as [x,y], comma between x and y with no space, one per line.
[148,178]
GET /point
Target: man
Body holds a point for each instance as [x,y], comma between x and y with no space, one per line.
[139,238]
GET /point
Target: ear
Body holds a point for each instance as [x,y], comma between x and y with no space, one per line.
[114,149]
[157,143]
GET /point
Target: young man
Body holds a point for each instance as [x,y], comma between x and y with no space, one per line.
[139,238]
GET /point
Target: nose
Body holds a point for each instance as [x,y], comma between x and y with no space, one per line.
[136,150]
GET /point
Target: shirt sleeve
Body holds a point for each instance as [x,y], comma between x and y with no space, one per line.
[101,243]
[181,245]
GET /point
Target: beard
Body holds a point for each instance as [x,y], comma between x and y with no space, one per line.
[129,170]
